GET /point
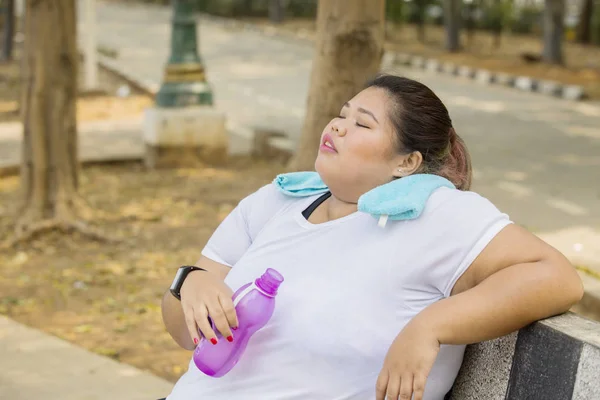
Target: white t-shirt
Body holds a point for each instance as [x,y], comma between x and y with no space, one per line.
[350,287]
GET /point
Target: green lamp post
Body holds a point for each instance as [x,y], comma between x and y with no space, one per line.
[184,82]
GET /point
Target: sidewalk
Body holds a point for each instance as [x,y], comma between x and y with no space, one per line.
[36,366]
[98,141]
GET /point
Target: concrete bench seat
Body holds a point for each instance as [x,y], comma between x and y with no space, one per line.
[553,359]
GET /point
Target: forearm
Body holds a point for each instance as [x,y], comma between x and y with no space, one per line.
[174,321]
[505,302]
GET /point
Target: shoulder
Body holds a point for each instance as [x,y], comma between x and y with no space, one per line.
[259,207]
[452,201]
[267,195]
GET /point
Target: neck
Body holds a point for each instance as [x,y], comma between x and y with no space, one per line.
[337,208]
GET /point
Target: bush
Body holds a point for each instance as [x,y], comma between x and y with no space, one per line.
[394,11]
[527,20]
[302,8]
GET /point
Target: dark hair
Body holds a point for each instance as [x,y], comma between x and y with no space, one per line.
[422,124]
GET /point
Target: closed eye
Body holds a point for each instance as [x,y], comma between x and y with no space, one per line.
[357,124]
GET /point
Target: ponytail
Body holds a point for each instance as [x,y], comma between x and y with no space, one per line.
[456,166]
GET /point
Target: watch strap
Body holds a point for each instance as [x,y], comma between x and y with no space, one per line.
[182,273]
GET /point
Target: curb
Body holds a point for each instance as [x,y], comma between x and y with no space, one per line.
[544,87]
[486,77]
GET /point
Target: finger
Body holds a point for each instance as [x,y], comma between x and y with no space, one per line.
[201,316]
[393,387]
[419,387]
[406,387]
[381,386]
[218,316]
[190,322]
[229,310]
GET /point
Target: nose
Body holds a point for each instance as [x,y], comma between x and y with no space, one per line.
[338,129]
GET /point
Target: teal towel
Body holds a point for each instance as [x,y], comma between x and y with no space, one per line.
[403,198]
[300,184]
[400,199]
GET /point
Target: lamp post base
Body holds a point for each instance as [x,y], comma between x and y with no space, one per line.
[185,137]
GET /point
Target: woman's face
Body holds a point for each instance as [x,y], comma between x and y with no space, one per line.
[358,151]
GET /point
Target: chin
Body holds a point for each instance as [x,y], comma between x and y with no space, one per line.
[326,170]
[320,166]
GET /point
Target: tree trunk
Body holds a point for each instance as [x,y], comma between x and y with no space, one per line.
[9,30]
[421,6]
[348,52]
[49,169]
[554,13]
[276,11]
[584,30]
[452,22]
[421,31]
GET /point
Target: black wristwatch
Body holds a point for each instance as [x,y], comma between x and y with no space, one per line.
[182,273]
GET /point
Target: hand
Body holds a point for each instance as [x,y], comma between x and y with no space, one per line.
[204,295]
[407,364]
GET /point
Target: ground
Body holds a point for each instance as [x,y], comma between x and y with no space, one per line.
[582,62]
[106,297]
[91,106]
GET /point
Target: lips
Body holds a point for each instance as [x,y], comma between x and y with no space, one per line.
[328,142]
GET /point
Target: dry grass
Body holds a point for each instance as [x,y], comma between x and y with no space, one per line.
[100,105]
[106,297]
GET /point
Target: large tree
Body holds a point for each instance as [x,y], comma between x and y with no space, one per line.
[554,15]
[584,30]
[452,23]
[49,169]
[348,52]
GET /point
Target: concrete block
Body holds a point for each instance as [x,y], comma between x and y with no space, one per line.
[485,371]
[556,358]
[587,385]
[525,83]
[545,364]
[450,68]
[417,62]
[184,136]
[504,79]
[465,71]
[550,88]
[573,92]
[433,65]
[484,76]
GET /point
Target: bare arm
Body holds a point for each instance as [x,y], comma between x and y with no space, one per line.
[516,280]
[172,310]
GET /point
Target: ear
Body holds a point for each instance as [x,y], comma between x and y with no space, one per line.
[408,164]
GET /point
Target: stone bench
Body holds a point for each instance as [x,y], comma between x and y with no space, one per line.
[553,359]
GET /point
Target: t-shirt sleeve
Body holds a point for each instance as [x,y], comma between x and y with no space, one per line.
[238,230]
[466,223]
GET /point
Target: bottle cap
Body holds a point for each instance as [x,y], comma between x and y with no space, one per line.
[270,281]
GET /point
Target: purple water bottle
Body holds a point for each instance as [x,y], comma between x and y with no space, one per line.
[254,304]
